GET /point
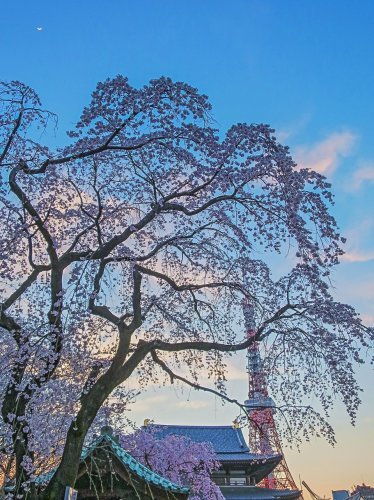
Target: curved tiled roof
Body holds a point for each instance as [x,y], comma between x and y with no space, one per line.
[250,457]
[128,461]
[228,442]
[139,469]
[258,493]
[224,438]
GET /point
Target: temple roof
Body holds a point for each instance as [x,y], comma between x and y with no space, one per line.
[136,467]
[128,461]
[229,445]
[224,438]
[362,493]
[255,492]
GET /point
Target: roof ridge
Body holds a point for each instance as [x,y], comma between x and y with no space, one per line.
[238,434]
[142,470]
[128,461]
[194,426]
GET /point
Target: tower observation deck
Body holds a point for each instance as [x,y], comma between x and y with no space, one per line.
[263,435]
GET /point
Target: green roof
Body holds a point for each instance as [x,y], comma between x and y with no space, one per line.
[136,467]
[128,462]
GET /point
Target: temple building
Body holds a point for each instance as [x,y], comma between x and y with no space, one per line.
[107,472]
[241,471]
[361,492]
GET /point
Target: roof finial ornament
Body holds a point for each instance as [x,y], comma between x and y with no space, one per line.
[106,430]
[235,424]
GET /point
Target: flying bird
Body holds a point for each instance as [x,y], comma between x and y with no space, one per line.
[39,28]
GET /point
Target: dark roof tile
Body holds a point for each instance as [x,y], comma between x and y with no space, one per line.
[224,438]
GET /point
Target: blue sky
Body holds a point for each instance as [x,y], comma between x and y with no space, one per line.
[305,67]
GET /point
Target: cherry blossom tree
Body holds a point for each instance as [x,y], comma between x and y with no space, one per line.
[128,254]
[177,458]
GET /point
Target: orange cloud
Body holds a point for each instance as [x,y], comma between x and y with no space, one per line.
[359,241]
[324,156]
[358,256]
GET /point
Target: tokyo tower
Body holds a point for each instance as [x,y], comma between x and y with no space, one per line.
[263,435]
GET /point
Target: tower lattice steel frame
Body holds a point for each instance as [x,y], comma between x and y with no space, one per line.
[263,435]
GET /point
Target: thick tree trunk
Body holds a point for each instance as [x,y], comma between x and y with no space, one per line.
[67,471]
[15,404]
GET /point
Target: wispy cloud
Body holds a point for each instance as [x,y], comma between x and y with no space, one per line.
[368,319]
[324,156]
[146,403]
[356,256]
[362,176]
[193,405]
[236,369]
[359,241]
[294,128]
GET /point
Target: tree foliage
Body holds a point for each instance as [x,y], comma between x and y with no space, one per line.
[129,252]
[177,458]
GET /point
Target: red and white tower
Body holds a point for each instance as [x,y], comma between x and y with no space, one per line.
[263,435]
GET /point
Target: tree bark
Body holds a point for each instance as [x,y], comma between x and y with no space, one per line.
[67,471]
